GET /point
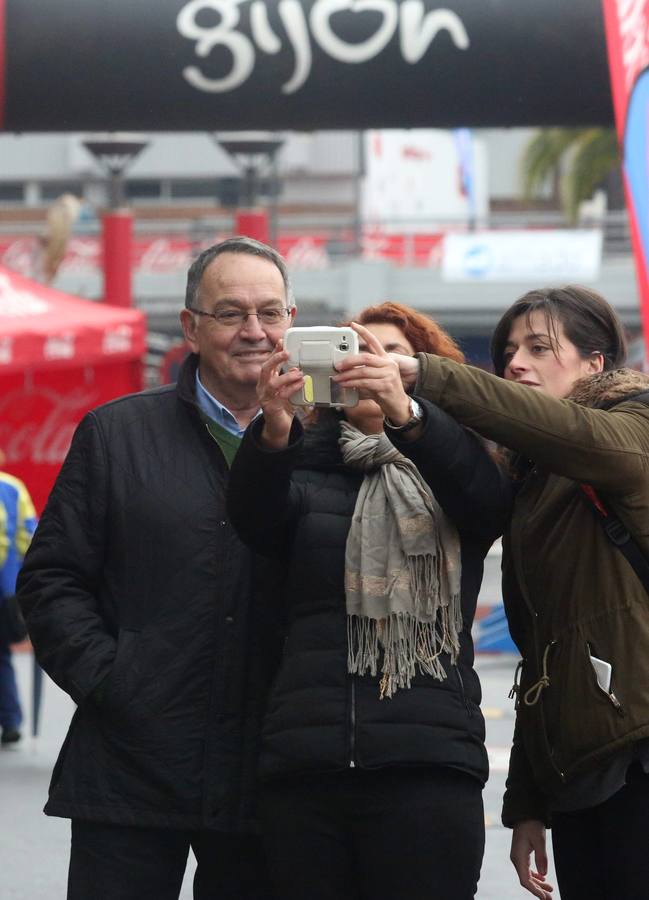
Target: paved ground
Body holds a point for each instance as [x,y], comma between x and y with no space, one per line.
[33,848]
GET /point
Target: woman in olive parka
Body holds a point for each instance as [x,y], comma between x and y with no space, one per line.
[579,614]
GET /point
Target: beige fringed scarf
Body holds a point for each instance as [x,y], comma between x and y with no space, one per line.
[402,568]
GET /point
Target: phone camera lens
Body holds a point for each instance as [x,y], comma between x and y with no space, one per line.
[344,346]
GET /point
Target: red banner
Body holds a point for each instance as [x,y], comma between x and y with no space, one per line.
[39,413]
[164,254]
[627,35]
[59,357]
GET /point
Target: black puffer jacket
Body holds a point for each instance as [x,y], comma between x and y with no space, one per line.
[137,585]
[319,718]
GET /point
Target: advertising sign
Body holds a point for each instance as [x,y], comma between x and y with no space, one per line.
[627,31]
[415,175]
[522,256]
[93,65]
[158,255]
[59,357]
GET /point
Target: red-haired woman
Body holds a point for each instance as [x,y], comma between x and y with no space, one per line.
[372,757]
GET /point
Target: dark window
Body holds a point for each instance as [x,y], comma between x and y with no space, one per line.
[205,188]
[53,190]
[11,192]
[228,191]
[142,189]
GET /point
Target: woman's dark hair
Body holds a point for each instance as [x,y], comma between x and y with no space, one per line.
[588,321]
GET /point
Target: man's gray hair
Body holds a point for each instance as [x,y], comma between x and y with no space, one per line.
[237,244]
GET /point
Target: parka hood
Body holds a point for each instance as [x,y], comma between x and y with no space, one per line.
[608,388]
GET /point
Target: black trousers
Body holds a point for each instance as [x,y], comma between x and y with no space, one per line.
[375,835]
[603,853]
[115,862]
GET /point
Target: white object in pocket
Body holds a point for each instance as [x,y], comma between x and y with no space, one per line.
[603,672]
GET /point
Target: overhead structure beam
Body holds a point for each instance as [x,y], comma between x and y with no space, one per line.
[165,65]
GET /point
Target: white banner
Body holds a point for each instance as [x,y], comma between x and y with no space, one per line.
[540,256]
[415,176]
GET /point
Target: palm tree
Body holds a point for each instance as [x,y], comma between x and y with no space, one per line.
[579,160]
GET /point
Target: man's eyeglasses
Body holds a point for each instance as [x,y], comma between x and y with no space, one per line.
[235,318]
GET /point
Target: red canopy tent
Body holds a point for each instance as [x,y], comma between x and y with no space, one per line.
[59,357]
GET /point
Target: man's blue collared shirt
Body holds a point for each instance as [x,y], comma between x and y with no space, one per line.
[216,411]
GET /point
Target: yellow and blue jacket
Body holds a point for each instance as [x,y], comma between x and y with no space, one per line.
[17,525]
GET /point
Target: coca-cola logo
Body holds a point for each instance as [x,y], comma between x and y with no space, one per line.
[59,346]
[37,426]
[170,255]
[118,340]
[20,254]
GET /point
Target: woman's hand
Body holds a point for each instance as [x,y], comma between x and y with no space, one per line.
[408,369]
[273,390]
[529,837]
[375,375]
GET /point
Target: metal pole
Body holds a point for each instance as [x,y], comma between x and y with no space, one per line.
[117,242]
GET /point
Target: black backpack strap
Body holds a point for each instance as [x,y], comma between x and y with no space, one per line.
[619,535]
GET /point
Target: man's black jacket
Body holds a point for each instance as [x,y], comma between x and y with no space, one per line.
[145,607]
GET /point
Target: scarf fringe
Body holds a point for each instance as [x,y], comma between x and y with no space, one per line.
[402,569]
[431,592]
[407,646]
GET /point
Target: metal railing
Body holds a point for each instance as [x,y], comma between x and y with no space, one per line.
[342,235]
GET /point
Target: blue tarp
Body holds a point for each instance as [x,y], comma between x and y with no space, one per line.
[492,634]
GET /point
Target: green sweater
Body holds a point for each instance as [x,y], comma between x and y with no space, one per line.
[228,442]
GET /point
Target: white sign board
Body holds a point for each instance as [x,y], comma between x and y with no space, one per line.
[539,256]
[413,180]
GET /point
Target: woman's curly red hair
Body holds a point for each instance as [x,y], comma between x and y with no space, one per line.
[425,335]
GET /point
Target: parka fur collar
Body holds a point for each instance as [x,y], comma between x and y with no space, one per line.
[606,389]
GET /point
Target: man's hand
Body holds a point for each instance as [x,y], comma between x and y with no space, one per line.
[529,837]
[273,391]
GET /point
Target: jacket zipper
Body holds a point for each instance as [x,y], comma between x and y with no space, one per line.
[518,568]
[467,706]
[518,556]
[352,720]
[616,703]
[609,693]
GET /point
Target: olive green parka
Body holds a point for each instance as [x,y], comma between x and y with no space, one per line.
[568,592]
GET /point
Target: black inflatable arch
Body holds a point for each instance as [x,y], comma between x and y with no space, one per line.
[76,65]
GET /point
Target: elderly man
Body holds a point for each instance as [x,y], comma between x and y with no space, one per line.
[144,606]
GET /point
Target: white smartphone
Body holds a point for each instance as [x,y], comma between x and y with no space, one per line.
[316,350]
[603,671]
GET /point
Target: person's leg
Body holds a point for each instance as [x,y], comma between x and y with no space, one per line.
[419,834]
[624,826]
[117,862]
[230,867]
[600,852]
[579,857]
[306,839]
[10,711]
